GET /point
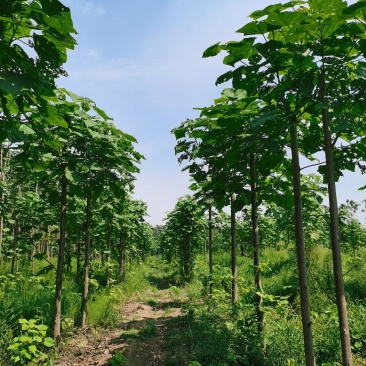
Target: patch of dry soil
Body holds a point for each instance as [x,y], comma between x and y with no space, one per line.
[97,347]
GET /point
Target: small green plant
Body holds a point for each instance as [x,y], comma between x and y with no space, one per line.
[30,346]
[149,329]
[67,326]
[118,359]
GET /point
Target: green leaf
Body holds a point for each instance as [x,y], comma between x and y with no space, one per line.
[46,270]
[42,327]
[354,9]
[224,77]
[74,176]
[286,18]
[49,342]
[15,83]
[263,118]
[32,349]
[274,8]
[255,28]
[102,113]
[26,129]
[53,117]
[179,132]
[212,50]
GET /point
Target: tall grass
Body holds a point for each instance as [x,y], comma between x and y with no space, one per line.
[212,331]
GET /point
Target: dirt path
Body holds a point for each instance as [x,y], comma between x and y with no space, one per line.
[141,339]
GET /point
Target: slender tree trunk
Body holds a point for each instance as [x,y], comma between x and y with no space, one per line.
[68,256]
[60,262]
[33,250]
[84,303]
[122,256]
[2,176]
[234,267]
[138,252]
[334,232]
[48,241]
[204,251]
[15,245]
[109,236]
[210,256]
[78,260]
[1,237]
[255,242]
[300,248]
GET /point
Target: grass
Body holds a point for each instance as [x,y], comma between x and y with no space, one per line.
[210,333]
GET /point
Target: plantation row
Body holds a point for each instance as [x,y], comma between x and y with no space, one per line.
[298,81]
[209,316]
[68,222]
[65,169]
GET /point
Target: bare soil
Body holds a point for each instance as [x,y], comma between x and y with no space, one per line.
[139,341]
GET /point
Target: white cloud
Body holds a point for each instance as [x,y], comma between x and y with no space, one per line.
[84,7]
[90,9]
[161,191]
[91,67]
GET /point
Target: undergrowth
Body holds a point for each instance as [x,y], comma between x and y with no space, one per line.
[211,332]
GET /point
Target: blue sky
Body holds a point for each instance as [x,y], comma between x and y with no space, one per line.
[141,61]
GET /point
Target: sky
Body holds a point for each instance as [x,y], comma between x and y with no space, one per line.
[141,62]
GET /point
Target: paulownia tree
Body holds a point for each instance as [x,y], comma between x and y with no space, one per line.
[306,61]
[184,233]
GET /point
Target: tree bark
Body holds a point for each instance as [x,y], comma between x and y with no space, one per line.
[255,242]
[234,267]
[204,251]
[109,236]
[78,261]
[60,262]
[334,232]
[210,254]
[122,256]
[33,252]
[15,245]
[2,178]
[84,302]
[300,248]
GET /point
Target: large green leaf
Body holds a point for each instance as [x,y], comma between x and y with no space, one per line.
[286,18]
[274,8]
[355,9]
[264,117]
[75,177]
[256,28]
[212,50]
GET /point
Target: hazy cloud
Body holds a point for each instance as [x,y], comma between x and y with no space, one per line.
[91,9]
[85,8]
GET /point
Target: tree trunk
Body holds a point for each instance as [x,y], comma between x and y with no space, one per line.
[33,251]
[68,256]
[15,245]
[122,256]
[334,232]
[60,262]
[300,248]
[109,236]
[2,203]
[204,251]
[234,267]
[84,302]
[255,242]
[210,256]
[78,261]
[1,237]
